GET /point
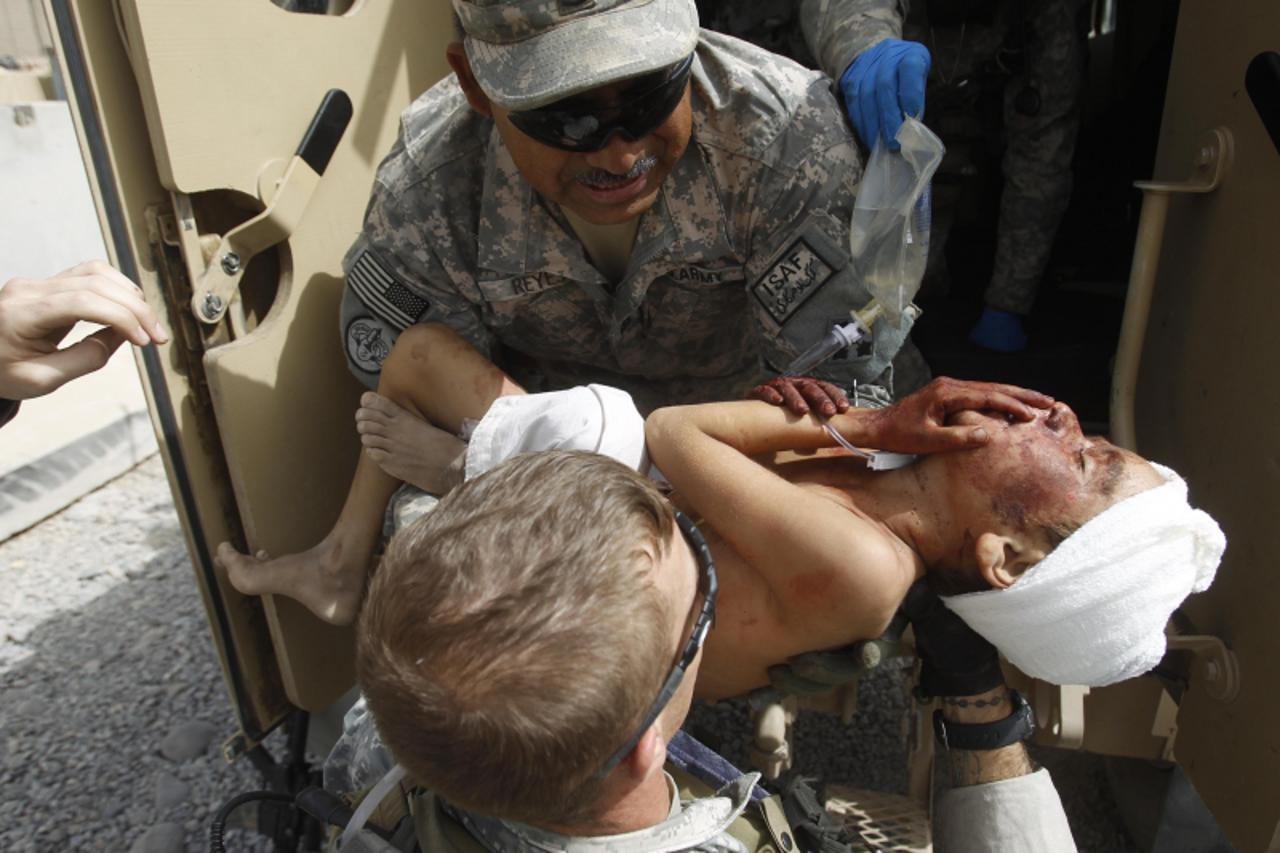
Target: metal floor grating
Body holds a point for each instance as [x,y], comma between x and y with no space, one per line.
[886,822]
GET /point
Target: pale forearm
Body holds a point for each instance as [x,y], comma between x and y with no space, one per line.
[701,448]
[998,799]
[777,526]
[979,766]
[754,428]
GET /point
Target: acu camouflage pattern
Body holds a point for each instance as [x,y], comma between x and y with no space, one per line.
[439,829]
[1043,44]
[1040,145]
[529,53]
[826,34]
[1041,41]
[505,23]
[739,266]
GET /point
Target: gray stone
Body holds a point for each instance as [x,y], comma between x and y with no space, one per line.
[112,809]
[187,740]
[161,838]
[171,791]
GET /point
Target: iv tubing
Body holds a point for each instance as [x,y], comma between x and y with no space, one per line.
[840,337]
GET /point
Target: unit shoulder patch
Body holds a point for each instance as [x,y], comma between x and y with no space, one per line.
[369,341]
[795,276]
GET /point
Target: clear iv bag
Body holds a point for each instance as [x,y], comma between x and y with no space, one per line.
[889,232]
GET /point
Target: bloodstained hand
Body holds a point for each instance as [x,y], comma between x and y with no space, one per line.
[799,394]
[920,423]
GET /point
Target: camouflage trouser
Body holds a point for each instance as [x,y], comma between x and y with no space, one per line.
[1042,45]
[1041,119]
[407,505]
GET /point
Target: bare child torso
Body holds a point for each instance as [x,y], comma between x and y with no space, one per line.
[765,615]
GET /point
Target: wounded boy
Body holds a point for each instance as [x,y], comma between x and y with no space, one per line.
[1066,552]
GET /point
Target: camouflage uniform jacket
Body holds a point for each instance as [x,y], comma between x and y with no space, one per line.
[740,264]
[826,34]
[701,821]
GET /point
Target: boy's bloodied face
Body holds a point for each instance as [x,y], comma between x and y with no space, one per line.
[1042,472]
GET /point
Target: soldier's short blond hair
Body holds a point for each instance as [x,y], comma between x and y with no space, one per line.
[513,637]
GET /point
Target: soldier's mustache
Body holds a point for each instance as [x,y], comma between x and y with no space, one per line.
[603,179]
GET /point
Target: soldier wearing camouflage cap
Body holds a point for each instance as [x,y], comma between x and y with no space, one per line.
[604,193]
[1040,45]
[858,42]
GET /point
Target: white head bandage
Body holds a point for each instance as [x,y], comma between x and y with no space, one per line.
[1094,611]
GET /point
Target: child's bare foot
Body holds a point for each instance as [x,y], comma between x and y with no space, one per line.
[319,578]
[407,447]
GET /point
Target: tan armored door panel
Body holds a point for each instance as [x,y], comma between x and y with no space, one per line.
[228,88]
[1209,400]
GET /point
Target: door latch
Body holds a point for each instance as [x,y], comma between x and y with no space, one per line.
[214,291]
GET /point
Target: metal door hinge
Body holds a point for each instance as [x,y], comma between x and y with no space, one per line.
[217,285]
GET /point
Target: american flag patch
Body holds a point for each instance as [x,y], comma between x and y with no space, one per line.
[382,294]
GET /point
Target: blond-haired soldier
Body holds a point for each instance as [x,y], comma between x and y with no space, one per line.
[529,652]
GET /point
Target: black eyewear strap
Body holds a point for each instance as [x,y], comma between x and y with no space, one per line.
[582,124]
[708,586]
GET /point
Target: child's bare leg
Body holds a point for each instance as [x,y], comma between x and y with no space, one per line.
[329,577]
[407,447]
[435,375]
[438,376]
[400,427]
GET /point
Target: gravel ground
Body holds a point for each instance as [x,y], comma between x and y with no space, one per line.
[105,658]
[112,706]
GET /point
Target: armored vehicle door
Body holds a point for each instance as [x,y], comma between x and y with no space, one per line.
[1195,388]
[232,145]
[1207,397]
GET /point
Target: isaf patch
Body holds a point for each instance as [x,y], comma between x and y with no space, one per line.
[369,342]
[797,274]
[383,294]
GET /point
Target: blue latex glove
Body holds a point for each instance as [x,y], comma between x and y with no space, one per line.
[882,85]
[999,331]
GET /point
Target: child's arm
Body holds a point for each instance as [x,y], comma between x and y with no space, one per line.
[816,557]
[813,552]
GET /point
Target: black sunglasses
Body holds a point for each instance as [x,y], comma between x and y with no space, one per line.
[581,124]
[707,585]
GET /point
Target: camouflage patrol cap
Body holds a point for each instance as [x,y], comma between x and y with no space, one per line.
[529,53]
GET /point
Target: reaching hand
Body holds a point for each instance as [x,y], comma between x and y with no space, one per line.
[800,393]
[885,83]
[919,423]
[37,314]
[957,660]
